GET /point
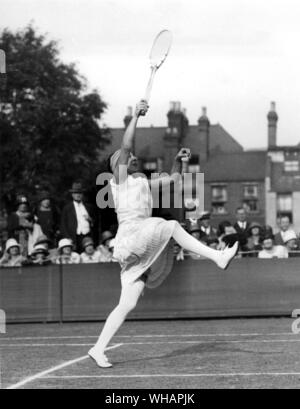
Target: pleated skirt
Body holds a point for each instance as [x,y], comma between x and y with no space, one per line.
[144,249]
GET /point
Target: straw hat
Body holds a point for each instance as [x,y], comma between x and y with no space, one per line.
[87,241]
[11,243]
[64,243]
[77,188]
[289,235]
[40,249]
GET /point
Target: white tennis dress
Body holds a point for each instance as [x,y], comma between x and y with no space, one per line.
[142,246]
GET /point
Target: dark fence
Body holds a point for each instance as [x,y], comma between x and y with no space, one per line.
[195,288]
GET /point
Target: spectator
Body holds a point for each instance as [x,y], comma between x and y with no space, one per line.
[40,255]
[291,242]
[270,250]
[227,234]
[106,248]
[212,242]
[47,216]
[12,256]
[90,254]
[45,241]
[206,230]
[285,229]
[242,226]
[66,253]
[22,226]
[254,240]
[77,217]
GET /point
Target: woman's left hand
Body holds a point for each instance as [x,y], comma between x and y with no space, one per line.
[183,154]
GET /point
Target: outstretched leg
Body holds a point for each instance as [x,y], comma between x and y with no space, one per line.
[130,295]
[188,242]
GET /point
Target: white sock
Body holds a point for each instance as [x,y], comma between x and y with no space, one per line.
[129,297]
[189,243]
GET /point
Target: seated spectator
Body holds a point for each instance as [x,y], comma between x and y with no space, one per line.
[270,250]
[291,242]
[45,241]
[40,255]
[66,255]
[227,234]
[105,248]
[285,229]
[254,240]
[47,216]
[12,256]
[212,242]
[90,254]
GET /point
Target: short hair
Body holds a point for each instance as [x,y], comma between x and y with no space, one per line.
[108,165]
[240,208]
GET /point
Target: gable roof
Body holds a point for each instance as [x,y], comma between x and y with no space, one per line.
[149,142]
[235,167]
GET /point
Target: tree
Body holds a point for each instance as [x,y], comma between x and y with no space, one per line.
[49,123]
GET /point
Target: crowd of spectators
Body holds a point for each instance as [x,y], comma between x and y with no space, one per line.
[255,240]
[44,235]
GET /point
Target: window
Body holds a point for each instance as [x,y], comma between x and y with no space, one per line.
[250,197]
[291,166]
[250,191]
[219,199]
[285,205]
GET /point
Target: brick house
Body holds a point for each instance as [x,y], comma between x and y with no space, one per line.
[265,182]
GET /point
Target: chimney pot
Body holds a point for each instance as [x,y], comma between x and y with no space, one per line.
[204,111]
[129,111]
[273,106]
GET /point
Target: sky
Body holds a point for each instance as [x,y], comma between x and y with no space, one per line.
[232,56]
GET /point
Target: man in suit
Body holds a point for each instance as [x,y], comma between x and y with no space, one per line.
[285,230]
[206,230]
[78,218]
[242,227]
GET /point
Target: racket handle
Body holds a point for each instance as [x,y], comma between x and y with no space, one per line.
[149,86]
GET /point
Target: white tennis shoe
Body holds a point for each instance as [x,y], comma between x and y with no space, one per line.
[100,359]
[227,255]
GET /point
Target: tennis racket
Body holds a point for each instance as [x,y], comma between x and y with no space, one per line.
[159,51]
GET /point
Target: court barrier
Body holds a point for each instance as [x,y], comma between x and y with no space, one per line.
[194,289]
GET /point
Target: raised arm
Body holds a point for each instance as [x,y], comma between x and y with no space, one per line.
[120,171]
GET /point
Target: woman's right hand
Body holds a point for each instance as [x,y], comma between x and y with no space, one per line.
[141,108]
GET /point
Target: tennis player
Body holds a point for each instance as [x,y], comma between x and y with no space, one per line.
[143,243]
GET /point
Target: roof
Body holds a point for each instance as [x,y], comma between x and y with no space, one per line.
[235,167]
[149,141]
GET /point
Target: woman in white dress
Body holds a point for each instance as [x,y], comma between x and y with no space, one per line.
[143,243]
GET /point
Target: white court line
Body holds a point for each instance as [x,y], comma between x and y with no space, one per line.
[152,336]
[199,375]
[53,369]
[244,341]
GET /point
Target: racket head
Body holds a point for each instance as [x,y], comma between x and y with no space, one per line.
[160,48]
[2,62]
